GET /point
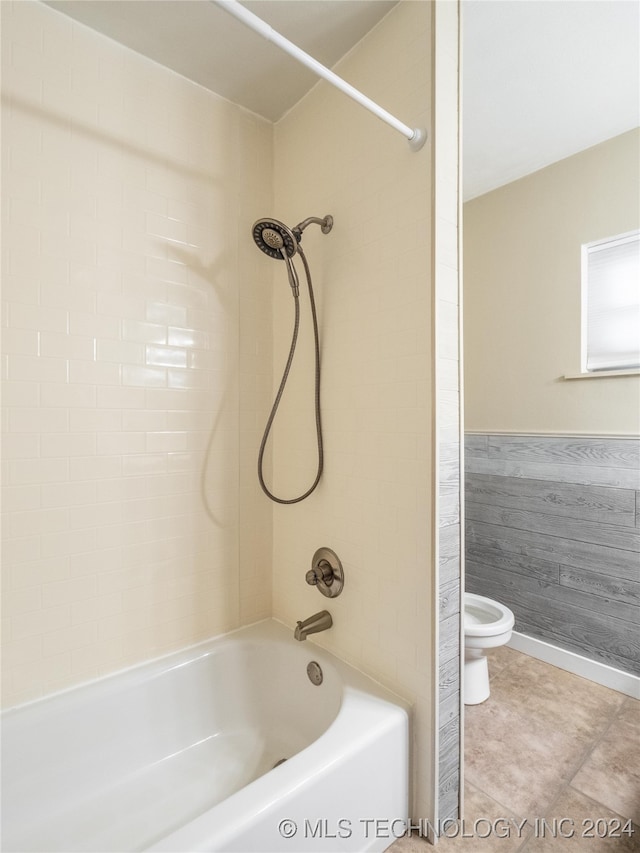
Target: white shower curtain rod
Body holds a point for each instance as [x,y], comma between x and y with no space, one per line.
[417,136]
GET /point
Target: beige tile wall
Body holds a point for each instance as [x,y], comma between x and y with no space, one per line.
[373,276]
[139,350]
[136,347]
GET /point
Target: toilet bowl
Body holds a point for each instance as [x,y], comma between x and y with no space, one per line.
[487,624]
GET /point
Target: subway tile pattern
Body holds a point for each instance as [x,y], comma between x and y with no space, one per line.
[135,332]
[553,531]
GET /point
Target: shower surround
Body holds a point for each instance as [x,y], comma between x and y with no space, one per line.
[140,332]
[137,357]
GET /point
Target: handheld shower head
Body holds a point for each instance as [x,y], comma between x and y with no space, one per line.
[272,236]
[278,241]
[291,274]
[274,239]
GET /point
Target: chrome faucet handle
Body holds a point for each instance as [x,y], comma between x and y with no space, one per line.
[322,573]
[326,573]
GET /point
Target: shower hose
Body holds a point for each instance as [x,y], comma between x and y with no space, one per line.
[283,382]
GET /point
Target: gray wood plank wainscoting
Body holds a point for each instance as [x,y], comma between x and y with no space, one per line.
[553,532]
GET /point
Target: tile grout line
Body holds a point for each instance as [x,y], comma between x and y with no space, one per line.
[577,767]
[494,677]
[588,750]
[599,739]
[505,667]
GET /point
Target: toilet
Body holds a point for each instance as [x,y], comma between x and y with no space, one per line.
[487,624]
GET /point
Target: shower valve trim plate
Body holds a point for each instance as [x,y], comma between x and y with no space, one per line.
[326,573]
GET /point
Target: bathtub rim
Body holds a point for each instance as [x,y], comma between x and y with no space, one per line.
[274,630]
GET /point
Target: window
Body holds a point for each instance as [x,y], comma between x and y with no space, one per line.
[611,303]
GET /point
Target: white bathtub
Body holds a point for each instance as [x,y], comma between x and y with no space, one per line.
[178,754]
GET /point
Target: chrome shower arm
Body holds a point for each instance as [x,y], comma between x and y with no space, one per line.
[326,224]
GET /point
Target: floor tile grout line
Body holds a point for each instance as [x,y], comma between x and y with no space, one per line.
[596,743]
[588,751]
[564,790]
[503,668]
[598,803]
[504,808]
[577,767]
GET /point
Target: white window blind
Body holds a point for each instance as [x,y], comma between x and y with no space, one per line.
[611,303]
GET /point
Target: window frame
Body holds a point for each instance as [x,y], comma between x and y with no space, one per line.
[586,248]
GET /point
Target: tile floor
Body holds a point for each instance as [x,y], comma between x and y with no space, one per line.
[546,744]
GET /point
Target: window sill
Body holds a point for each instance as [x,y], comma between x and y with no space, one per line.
[603,374]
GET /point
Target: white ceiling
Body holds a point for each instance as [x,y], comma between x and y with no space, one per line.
[542,79]
[202,42]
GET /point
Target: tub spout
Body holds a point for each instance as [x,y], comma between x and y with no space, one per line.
[318,622]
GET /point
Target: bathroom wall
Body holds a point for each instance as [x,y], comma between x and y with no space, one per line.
[373,278]
[553,531]
[552,465]
[136,353]
[522,296]
[448,408]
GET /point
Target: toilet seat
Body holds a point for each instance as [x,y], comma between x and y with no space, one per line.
[484,617]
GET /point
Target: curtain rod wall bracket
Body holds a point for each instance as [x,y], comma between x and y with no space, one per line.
[418,139]
[416,136]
